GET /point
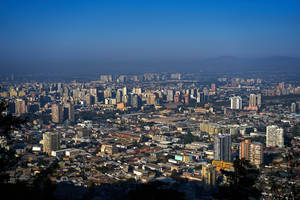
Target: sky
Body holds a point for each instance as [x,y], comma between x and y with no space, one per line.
[66,32]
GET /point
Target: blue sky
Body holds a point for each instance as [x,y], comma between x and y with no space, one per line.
[61,30]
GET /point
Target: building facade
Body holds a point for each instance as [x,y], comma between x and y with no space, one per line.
[274,136]
[222,147]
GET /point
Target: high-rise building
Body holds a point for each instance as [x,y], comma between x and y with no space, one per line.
[293,107]
[213,87]
[152,98]
[50,142]
[209,174]
[90,99]
[258,100]
[176,76]
[186,99]
[57,113]
[119,95]
[106,78]
[69,112]
[176,97]
[252,100]
[137,91]
[274,136]
[124,90]
[222,147]
[170,95]
[20,106]
[252,152]
[135,101]
[236,103]
[200,97]
[94,93]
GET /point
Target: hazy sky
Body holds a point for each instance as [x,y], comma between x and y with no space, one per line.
[68,31]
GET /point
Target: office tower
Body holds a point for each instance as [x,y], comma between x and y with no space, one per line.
[124,90]
[125,99]
[222,147]
[90,99]
[94,93]
[170,95]
[106,78]
[252,152]
[122,78]
[209,174]
[176,97]
[108,93]
[135,101]
[69,112]
[176,76]
[274,136]
[236,103]
[151,99]
[137,91]
[50,142]
[244,151]
[293,107]
[258,100]
[119,95]
[256,154]
[213,87]
[186,99]
[281,86]
[20,106]
[252,100]
[57,113]
[200,97]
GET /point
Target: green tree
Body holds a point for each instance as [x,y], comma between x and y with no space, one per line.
[7,155]
[241,182]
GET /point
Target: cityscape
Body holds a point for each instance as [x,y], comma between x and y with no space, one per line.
[149,123]
[154,126]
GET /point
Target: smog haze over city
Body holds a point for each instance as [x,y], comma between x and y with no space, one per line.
[150,99]
[117,36]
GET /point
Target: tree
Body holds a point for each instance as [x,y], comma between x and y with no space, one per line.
[7,156]
[41,186]
[241,182]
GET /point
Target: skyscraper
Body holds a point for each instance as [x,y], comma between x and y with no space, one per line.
[293,107]
[258,100]
[94,93]
[119,95]
[209,174]
[135,101]
[176,97]
[274,136]
[20,106]
[69,112]
[57,113]
[252,100]
[252,152]
[50,142]
[236,103]
[222,147]
[170,95]
[186,99]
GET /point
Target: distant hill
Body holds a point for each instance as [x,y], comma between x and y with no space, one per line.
[217,64]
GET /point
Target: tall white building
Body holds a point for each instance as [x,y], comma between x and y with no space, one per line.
[236,103]
[222,147]
[274,136]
